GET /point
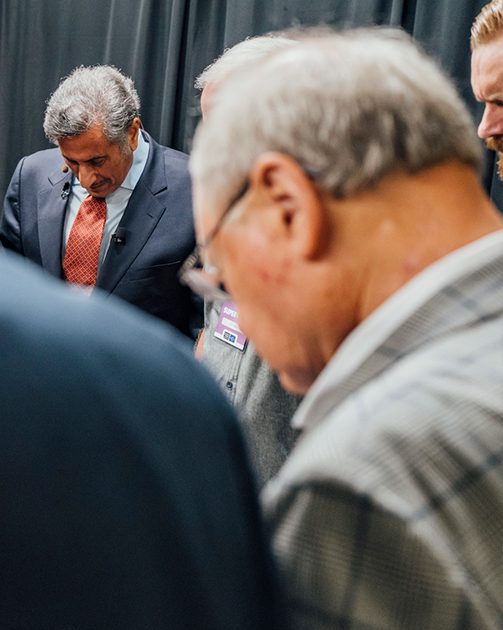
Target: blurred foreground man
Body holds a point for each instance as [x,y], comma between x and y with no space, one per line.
[109,207]
[365,260]
[126,499]
[265,407]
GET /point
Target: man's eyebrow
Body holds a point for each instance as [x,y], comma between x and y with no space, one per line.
[92,159]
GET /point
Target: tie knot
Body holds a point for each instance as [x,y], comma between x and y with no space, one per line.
[98,200]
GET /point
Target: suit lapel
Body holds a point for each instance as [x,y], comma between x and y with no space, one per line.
[52,210]
[142,214]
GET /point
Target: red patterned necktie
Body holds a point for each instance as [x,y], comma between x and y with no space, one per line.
[80,263]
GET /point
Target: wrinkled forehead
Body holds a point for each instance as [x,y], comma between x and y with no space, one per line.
[490,49]
[487,67]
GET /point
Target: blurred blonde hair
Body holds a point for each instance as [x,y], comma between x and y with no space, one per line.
[488,24]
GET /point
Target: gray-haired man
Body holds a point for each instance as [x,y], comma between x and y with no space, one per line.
[365,259]
[265,407]
[110,207]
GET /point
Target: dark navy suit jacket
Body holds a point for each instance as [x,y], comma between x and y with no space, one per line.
[157,226]
[126,500]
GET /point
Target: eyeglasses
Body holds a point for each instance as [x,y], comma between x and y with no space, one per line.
[203,278]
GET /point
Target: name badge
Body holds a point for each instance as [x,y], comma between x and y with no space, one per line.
[227,328]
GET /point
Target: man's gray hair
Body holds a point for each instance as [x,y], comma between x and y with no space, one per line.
[249,50]
[89,96]
[349,108]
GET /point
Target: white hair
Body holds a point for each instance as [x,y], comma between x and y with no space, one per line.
[249,50]
[88,96]
[349,108]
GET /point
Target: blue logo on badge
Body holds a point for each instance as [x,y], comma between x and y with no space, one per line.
[228,336]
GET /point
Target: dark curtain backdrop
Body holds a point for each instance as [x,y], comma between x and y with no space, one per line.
[164,44]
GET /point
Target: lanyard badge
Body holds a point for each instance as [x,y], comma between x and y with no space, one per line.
[227,328]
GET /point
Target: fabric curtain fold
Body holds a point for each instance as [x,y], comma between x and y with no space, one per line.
[165,44]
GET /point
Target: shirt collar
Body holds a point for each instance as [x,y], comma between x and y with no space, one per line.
[140,156]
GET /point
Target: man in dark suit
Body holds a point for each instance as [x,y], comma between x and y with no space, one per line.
[140,189]
[126,497]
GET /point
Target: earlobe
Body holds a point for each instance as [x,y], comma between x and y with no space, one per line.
[302,215]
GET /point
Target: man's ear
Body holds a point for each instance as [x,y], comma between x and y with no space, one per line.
[302,214]
[133,131]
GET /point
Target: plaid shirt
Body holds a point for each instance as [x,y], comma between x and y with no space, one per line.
[389,512]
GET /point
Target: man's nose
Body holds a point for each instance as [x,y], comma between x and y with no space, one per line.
[86,175]
[492,121]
